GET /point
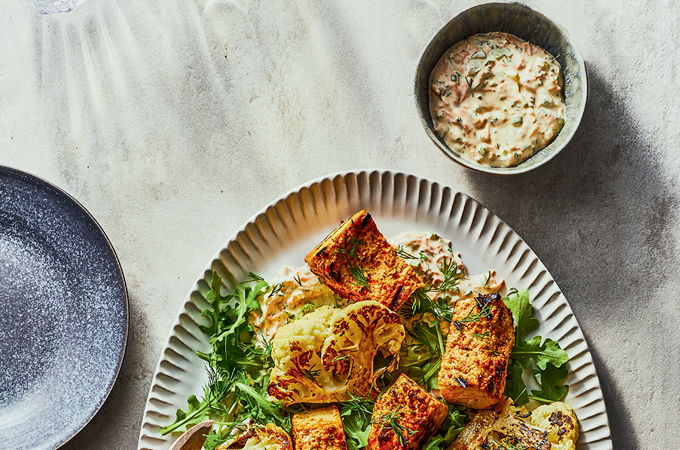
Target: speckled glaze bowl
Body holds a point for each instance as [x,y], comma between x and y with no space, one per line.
[531,26]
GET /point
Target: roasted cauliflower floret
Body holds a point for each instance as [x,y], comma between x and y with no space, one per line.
[329,353]
[560,421]
[319,428]
[358,263]
[255,437]
[548,427]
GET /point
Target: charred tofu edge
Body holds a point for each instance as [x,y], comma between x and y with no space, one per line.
[412,408]
[348,259]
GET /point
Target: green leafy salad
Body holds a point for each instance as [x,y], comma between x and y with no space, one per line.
[240,363]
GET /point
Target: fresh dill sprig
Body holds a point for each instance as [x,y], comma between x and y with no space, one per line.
[312,373]
[297,279]
[252,277]
[349,255]
[359,276]
[451,273]
[421,303]
[214,390]
[276,289]
[353,250]
[357,404]
[402,253]
[390,421]
[473,317]
[482,336]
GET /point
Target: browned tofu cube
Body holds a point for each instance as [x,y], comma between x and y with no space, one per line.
[405,417]
[319,428]
[358,263]
[480,340]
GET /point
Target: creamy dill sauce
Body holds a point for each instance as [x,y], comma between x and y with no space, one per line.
[289,291]
[496,99]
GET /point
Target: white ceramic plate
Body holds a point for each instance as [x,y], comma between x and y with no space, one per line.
[285,231]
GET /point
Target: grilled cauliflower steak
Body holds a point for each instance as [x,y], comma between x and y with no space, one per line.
[358,263]
[328,354]
[405,416]
[268,437]
[548,427]
[319,428]
[478,347]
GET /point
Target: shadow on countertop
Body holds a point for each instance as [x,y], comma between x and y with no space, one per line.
[596,215]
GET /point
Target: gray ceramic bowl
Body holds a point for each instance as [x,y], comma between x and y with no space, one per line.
[531,26]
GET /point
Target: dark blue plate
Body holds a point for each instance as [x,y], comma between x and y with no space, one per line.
[63,314]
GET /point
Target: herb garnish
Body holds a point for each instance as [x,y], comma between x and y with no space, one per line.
[355,271]
[311,373]
[356,420]
[402,253]
[485,308]
[359,275]
[238,365]
[390,421]
[353,250]
[276,289]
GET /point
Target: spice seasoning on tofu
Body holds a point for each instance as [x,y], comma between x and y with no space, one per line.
[473,372]
[496,99]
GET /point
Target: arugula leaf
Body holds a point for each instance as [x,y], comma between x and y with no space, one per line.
[434,443]
[238,364]
[542,354]
[545,358]
[213,439]
[522,313]
[552,389]
[196,412]
[453,425]
[356,420]
[256,406]
[515,388]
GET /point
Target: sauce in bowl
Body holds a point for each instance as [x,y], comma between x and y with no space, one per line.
[496,99]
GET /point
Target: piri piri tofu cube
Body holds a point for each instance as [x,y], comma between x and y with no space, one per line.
[319,428]
[474,367]
[358,263]
[405,417]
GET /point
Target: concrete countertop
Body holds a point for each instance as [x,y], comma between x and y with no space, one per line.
[173,121]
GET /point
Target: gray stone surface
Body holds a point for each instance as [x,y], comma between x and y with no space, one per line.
[173,121]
